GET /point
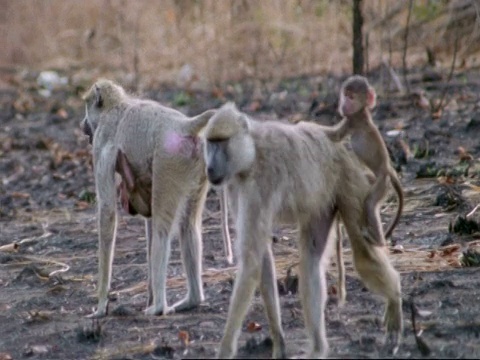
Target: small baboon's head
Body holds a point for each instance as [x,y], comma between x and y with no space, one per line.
[356,94]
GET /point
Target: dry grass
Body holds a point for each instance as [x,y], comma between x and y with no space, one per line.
[410,259]
[221,40]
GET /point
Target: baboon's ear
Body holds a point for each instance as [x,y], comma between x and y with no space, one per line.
[244,122]
[371,98]
[197,123]
[98,97]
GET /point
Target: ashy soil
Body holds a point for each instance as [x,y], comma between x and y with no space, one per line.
[48,261]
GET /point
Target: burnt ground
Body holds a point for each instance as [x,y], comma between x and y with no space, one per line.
[47,214]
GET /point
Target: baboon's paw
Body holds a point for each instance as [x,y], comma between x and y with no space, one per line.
[97,314]
[159,310]
[186,304]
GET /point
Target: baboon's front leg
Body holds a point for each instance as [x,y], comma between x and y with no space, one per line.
[148,237]
[107,224]
[227,242]
[252,241]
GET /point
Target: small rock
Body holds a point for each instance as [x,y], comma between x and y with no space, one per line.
[50,80]
[36,350]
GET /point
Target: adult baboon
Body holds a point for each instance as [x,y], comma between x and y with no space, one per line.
[293,174]
[158,155]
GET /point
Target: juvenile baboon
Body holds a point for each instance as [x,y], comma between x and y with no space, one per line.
[357,97]
[158,155]
[292,174]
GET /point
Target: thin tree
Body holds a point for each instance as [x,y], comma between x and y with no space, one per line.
[358,58]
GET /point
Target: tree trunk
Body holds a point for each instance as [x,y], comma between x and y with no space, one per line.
[358,60]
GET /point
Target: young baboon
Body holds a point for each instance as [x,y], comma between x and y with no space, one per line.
[158,155]
[357,97]
[292,174]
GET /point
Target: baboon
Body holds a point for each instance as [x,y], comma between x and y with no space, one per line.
[292,174]
[138,192]
[158,155]
[357,97]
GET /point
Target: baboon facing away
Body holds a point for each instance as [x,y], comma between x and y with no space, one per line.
[292,174]
[156,152]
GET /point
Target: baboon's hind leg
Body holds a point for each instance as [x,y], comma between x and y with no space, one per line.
[313,286]
[191,247]
[378,275]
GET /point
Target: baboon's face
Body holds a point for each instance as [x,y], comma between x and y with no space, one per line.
[355,95]
[216,159]
[93,106]
[87,126]
[229,149]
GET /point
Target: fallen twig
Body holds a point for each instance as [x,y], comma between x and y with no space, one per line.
[472,212]
[12,247]
[405,46]
[421,344]
[64,266]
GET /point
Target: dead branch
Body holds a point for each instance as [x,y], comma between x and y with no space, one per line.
[449,79]
[405,46]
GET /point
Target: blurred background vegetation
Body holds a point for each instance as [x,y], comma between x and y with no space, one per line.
[209,42]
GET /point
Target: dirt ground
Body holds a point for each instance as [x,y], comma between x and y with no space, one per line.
[47,213]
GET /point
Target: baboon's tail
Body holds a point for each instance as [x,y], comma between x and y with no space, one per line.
[197,123]
[398,188]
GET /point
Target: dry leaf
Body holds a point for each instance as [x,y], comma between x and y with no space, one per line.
[450,250]
[62,113]
[464,155]
[254,326]
[454,262]
[254,106]
[183,337]
[437,114]
[20,195]
[218,93]
[82,205]
[332,290]
[5,307]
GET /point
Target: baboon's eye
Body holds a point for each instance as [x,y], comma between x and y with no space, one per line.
[216,140]
[348,94]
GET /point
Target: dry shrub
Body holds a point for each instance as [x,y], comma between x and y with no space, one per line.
[220,40]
